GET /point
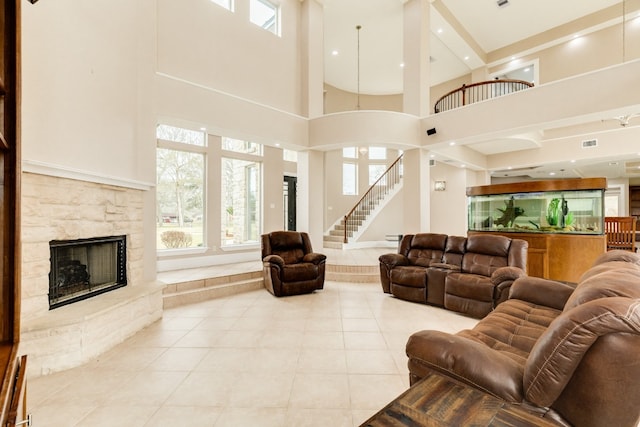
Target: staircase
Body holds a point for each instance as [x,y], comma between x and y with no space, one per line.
[356,217]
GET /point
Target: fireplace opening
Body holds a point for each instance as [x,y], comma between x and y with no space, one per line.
[83,268]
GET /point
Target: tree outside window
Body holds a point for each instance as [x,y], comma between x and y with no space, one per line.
[180,188]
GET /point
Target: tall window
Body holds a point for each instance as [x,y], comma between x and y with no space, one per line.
[375,172]
[180,170]
[265,14]
[241,193]
[349,179]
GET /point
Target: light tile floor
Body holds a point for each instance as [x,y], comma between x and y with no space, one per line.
[331,358]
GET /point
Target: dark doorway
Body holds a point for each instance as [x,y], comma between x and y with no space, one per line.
[289,194]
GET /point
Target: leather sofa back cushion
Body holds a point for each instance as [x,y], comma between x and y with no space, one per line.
[611,279]
[289,246]
[485,254]
[489,245]
[426,248]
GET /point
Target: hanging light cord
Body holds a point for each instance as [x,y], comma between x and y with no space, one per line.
[358,27]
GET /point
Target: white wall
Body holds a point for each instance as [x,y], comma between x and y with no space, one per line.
[201,42]
[87,95]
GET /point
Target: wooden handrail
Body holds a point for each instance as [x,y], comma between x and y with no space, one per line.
[480,91]
[390,177]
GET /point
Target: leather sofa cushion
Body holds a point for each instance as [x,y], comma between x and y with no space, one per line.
[489,245]
[482,264]
[425,248]
[410,276]
[470,286]
[289,246]
[299,272]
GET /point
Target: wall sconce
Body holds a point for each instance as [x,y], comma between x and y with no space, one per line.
[440,186]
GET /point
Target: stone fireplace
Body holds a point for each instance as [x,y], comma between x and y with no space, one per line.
[62,213]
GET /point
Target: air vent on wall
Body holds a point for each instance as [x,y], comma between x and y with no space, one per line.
[588,143]
[432,162]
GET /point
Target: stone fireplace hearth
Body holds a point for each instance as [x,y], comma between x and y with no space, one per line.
[61,209]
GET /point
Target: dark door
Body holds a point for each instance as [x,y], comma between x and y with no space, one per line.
[289,194]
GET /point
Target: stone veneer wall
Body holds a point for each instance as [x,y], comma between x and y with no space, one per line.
[63,209]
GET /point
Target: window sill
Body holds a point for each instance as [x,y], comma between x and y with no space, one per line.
[240,247]
[178,252]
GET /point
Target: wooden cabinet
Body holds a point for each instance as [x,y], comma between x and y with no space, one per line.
[12,367]
[634,204]
[562,257]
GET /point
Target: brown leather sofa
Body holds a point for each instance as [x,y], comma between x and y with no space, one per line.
[289,264]
[569,352]
[470,275]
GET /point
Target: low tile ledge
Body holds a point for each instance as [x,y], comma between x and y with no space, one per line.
[72,335]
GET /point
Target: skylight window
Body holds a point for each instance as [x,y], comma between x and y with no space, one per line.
[266,15]
[227,4]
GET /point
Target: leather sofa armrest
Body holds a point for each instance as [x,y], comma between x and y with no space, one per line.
[504,274]
[314,258]
[444,266]
[393,260]
[541,291]
[274,259]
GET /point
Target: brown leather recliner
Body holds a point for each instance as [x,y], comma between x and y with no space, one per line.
[289,264]
[570,353]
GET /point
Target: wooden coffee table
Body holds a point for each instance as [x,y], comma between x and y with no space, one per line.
[438,401]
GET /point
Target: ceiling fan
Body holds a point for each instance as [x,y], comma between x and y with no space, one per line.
[624,119]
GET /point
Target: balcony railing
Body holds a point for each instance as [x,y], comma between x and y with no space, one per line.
[476,92]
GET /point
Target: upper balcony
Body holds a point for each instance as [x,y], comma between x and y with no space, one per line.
[476,92]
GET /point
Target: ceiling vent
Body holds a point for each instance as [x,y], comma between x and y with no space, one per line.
[588,143]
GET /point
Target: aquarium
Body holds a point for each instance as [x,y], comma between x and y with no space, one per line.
[565,211]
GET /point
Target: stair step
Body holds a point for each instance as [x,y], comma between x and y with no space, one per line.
[178,294]
[353,273]
[332,244]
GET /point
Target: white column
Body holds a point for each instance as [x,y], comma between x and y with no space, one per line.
[416,50]
[416,187]
[311,199]
[312,58]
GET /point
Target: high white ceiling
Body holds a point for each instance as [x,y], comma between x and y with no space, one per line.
[488,26]
[465,35]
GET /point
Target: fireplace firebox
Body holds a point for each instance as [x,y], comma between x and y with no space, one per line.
[84,268]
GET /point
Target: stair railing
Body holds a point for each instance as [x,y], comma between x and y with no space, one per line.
[383,186]
[476,92]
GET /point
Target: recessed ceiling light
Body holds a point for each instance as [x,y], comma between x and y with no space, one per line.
[466,58]
[334,52]
[439,30]
[452,143]
[526,70]
[573,161]
[432,156]
[203,129]
[402,65]
[552,173]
